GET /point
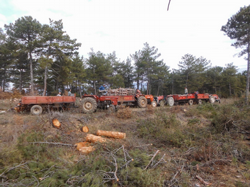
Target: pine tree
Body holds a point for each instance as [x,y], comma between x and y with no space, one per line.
[26,32]
[238,28]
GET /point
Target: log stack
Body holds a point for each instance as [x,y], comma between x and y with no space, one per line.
[120,92]
[85,147]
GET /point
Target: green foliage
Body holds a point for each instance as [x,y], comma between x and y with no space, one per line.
[161,130]
[192,70]
[223,120]
[207,110]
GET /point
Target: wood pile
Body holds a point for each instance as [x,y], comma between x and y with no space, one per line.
[86,148]
[120,92]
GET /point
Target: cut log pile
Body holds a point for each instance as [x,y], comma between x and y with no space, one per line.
[85,147]
[120,91]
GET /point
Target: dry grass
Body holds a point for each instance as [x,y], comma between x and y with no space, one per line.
[124,113]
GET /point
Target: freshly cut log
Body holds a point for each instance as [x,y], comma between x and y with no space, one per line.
[56,123]
[93,138]
[87,150]
[85,129]
[81,144]
[111,134]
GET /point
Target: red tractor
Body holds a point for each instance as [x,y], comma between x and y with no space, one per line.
[112,99]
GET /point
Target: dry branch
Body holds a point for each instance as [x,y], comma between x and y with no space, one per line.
[6,171]
[204,182]
[152,159]
[111,134]
[52,143]
[93,138]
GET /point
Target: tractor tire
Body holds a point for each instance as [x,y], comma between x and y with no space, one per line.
[200,102]
[211,99]
[190,102]
[154,104]
[162,103]
[142,102]
[89,105]
[36,110]
[111,109]
[170,101]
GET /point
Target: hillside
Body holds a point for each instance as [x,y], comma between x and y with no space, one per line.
[199,145]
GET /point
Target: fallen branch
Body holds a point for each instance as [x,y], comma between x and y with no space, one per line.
[160,161]
[204,182]
[52,143]
[151,159]
[6,171]
[144,145]
[218,161]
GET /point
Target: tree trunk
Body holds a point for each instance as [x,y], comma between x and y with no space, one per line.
[248,64]
[230,90]
[31,75]
[20,83]
[94,87]
[45,80]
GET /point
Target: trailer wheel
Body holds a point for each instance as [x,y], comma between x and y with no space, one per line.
[142,102]
[111,109]
[211,99]
[36,110]
[190,102]
[154,104]
[89,105]
[170,101]
[200,102]
[162,103]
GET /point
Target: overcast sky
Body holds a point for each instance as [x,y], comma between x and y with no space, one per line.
[190,26]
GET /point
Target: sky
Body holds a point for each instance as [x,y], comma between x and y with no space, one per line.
[188,27]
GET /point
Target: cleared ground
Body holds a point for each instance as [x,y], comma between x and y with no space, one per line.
[198,145]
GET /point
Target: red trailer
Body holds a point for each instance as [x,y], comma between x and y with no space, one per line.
[190,98]
[37,104]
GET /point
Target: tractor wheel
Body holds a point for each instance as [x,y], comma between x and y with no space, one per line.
[190,102]
[36,110]
[211,99]
[153,103]
[89,105]
[111,109]
[170,101]
[162,103]
[142,102]
[200,102]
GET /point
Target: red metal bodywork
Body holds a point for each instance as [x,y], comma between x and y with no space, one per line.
[116,100]
[192,96]
[113,99]
[38,100]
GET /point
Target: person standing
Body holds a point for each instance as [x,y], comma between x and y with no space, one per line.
[59,94]
[69,92]
[186,90]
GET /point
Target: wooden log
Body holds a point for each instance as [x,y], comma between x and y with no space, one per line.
[87,150]
[81,144]
[111,134]
[85,129]
[93,138]
[56,123]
